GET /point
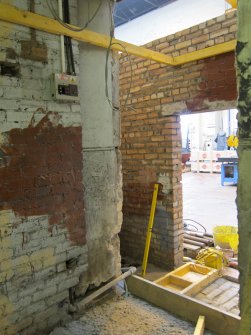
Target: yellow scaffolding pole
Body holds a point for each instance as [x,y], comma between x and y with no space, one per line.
[149,229]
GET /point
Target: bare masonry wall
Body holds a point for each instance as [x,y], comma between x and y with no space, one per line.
[151,141]
[49,241]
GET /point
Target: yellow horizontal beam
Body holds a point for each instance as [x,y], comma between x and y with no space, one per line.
[215,50]
[14,15]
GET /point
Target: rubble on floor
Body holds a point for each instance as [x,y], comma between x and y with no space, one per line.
[126,315]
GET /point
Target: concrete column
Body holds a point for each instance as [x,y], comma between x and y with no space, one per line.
[102,168]
[243,51]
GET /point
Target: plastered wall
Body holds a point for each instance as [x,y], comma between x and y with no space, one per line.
[51,202]
[151,140]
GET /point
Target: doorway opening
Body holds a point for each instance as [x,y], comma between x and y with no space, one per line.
[204,138]
[209,193]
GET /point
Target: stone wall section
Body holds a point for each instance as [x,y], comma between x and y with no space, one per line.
[151,139]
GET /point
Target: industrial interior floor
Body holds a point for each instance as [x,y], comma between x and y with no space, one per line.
[206,201]
[126,315]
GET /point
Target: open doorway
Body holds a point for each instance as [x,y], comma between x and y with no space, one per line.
[204,138]
[209,195]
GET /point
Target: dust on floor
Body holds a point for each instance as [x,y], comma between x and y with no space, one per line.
[126,315]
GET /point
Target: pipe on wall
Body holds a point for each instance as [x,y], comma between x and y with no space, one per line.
[62,46]
[81,305]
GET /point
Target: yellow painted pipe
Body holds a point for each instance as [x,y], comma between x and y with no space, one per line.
[149,229]
[233,3]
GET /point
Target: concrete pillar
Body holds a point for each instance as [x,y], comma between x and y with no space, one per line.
[243,51]
[102,168]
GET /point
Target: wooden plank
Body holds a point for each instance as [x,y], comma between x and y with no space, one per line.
[231,274]
[190,247]
[14,15]
[200,326]
[190,250]
[188,267]
[198,286]
[198,239]
[199,244]
[188,308]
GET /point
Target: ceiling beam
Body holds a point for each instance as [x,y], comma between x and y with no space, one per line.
[25,18]
[14,15]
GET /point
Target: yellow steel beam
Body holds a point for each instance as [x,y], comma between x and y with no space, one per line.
[14,15]
[215,50]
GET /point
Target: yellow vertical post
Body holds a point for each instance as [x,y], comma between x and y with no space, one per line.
[200,326]
[149,229]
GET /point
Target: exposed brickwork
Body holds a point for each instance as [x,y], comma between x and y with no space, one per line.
[151,141]
[43,250]
[43,175]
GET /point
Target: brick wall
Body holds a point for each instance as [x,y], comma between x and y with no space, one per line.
[43,248]
[151,140]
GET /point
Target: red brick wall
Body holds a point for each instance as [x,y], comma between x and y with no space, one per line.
[151,140]
[42,175]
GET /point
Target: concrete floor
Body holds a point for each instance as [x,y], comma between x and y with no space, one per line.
[206,201]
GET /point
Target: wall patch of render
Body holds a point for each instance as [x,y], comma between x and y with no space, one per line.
[43,250]
[151,142]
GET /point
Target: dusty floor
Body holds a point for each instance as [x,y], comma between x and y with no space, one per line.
[206,201]
[129,316]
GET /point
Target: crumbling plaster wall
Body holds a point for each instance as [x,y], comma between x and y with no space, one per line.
[101,139]
[151,139]
[244,152]
[48,170]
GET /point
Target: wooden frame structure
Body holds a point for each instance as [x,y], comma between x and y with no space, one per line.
[217,320]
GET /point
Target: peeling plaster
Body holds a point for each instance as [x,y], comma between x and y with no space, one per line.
[174,108]
[164,180]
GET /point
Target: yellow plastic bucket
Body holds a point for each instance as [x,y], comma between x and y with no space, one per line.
[226,237]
